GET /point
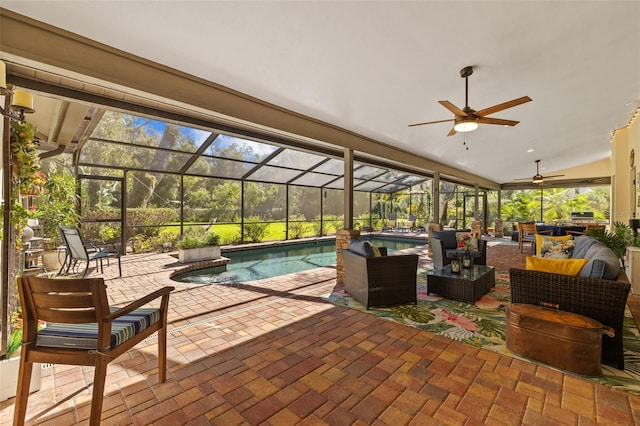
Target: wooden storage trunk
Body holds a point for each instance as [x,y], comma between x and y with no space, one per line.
[562,339]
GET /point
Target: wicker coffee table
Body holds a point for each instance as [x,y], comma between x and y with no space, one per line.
[468,286]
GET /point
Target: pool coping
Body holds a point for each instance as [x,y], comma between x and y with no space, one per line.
[279,243]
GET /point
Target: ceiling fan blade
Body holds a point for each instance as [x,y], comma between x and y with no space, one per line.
[502,106]
[452,132]
[552,176]
[431,122]
[500,121]
[454,109]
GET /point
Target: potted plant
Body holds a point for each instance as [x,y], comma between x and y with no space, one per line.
[55,207]
[10,366]
[193,247]
[618,240]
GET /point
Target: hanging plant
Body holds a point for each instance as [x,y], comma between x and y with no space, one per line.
[28,179]
[26,176]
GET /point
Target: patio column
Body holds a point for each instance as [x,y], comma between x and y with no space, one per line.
[343,239]
[344,236]
[436,197]
[348,189]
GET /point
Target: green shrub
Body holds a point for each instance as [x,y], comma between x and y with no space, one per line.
[297,226]
[109,233]
[194,240]
[148,221]
[254,231]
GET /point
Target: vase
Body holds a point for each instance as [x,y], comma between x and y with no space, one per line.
[27,233]
[9,369]
[51,259]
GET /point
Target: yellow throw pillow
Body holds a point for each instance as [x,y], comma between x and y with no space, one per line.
[555,266]
[547,243]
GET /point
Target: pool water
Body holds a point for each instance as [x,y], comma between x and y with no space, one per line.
[257,264]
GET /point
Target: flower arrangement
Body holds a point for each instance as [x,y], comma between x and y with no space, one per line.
[15,330]
[15,333]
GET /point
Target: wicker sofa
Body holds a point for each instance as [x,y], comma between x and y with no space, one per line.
[377,281]
[601,299]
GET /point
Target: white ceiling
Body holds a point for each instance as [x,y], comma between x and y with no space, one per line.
[374,67]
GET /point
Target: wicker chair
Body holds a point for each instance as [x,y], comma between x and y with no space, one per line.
[440,247]
[602,300]
[381,281]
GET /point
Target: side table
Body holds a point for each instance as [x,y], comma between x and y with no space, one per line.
[468,286]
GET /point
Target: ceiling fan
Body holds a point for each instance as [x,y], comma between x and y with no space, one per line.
[467,119]
[538,178]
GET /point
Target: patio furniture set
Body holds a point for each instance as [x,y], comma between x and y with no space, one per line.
[597,294]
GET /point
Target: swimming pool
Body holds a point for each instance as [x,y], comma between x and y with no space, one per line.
[257,264]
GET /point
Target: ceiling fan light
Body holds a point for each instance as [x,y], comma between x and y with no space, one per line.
[466,126]
[538,179]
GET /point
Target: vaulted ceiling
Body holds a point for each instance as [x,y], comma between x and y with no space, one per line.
[373,68]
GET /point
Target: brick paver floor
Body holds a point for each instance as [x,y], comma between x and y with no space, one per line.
[273,352]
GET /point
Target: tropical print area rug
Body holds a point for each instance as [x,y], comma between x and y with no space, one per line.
[483,324]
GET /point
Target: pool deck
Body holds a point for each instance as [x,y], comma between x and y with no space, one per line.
[274,352]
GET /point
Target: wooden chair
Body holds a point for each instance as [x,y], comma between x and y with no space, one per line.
[598,227]
[527,234]
[81,252]
[476,226]
[83,330]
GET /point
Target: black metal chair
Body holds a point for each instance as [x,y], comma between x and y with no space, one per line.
[80,252]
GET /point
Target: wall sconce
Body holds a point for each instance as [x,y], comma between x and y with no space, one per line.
[20,102]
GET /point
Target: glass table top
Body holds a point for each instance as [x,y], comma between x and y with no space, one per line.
[473,273]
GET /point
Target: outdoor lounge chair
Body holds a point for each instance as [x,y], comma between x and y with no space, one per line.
[444,245]
[80,252]
[380,280]
[453,221]
[409,224]
[83,330]
[392,222]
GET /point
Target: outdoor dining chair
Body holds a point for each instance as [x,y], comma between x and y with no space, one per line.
[82,329]
[527,234]
[80,252]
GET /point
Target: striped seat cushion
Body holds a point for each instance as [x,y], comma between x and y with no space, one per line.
[85,336]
